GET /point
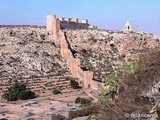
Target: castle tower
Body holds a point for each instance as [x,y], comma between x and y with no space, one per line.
[127,26]
[52,24]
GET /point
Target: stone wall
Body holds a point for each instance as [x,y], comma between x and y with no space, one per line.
[72,25]
[54,24]
[74,64]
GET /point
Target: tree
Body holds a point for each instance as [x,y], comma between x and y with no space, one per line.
[74,84]
[83,101]
[18,91]
[107,94]
[55,91]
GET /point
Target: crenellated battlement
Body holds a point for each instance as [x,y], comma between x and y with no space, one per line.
[54,24]
[72,20]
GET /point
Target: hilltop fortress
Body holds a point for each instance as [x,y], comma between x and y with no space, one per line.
[59,26]
[46,58]
[56,24]
[64,49]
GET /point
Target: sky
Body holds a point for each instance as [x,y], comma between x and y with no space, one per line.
[106,14]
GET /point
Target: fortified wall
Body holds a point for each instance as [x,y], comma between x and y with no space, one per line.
[56,27]
[85,77]
[55,24]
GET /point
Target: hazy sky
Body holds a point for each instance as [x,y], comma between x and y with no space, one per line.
[106,14]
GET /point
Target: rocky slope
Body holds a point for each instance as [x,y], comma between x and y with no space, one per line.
[102,51]
[27,52]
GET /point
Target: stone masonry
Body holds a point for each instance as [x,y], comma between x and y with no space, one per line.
[56,26]
[85,77]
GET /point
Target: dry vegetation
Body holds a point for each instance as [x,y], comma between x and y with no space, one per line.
[137,93]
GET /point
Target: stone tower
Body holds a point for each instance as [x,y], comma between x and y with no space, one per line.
[53,25]
[127,26]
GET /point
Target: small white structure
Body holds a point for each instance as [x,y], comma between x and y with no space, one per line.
[127,26]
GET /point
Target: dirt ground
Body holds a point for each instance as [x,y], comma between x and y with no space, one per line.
[41,108]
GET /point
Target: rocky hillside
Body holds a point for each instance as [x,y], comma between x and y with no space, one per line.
[102,51]
[27,52]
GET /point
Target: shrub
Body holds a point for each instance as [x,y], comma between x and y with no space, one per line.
[133,88]
[83,101]
[74,84]
[58,117]
[92,117]
[107,95]
[83,112]
[158,110]
[55,91]
[18,91]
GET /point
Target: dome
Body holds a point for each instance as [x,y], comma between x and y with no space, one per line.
[127,24]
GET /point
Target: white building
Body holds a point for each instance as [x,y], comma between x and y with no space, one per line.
[127,26]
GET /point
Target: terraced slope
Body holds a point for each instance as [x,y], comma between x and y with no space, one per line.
[27,54]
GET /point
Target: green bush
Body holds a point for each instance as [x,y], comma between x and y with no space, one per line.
[158,110]
[107,95]
[55,91]
[58,117]
[74,84]
[92,117]
[18,91]
[83,101]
